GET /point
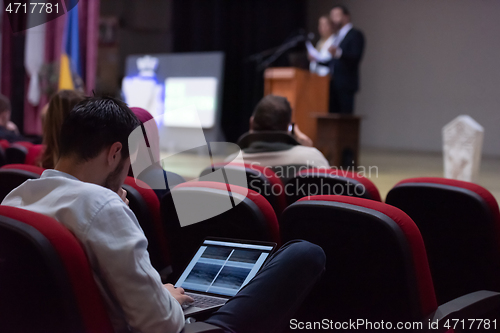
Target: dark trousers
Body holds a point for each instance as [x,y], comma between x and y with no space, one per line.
[341,100]
[269,301]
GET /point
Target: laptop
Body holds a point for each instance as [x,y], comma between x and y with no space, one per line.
[219,269]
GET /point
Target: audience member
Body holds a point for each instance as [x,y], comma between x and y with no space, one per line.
[52,119]
[326,38]
[84,193]
[8,130]
[274,114]
[347,52]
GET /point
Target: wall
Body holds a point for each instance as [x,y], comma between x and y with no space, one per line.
[425,63]
[145,26]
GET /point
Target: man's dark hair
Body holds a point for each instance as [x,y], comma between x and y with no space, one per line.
[343,8]
[4,103]
[272,113]
[95,124]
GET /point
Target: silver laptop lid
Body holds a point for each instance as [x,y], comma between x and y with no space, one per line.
[223,266]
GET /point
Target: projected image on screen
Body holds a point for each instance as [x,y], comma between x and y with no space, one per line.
[190,102]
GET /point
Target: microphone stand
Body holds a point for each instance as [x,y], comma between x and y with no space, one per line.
[257,57]
[274,53]
[282,49]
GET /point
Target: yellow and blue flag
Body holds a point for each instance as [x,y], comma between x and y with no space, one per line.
[70,70]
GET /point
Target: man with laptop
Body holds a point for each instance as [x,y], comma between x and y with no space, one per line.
[219,269]
[261,291]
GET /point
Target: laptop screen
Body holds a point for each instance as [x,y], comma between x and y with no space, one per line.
[223,267]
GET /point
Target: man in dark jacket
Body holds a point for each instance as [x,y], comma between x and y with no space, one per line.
[8,130]
[347,51]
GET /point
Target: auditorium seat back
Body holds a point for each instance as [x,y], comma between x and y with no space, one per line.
[158,179]
[248,138]
[34,154]
[146,207]
[13,175]
[322,181]
[16,154]
[251,218]
[46,281]
[3,159]
[4,144]
[262,180]
[376,261]
[460,224]
[288,171]
[25,144]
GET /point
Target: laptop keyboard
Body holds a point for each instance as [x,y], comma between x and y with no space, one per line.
[203,301]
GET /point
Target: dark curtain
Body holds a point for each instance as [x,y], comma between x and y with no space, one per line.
[13,73]
[240,28]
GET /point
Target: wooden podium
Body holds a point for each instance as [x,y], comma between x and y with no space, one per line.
[335,135]
[307,93]
[338,138]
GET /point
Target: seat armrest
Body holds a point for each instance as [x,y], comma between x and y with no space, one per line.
[201,327]
[476,305]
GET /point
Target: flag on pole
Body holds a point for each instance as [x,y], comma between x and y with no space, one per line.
[70,71]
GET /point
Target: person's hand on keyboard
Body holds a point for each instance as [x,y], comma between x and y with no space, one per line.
[178,294]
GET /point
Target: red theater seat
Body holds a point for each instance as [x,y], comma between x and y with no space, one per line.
[25,144]
[34,153]
[13,175]
[321,181]
[4,144]
[262,180]
[146,207]
[47,283]
[16,154]
[376,262]
[252,218]
[3,159]
[24,167]
[460,225]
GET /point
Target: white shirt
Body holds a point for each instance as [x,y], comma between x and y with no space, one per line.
[339,37]
[297,155]
[324,56]
[115,245]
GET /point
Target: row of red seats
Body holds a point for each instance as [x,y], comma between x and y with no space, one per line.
[377,263]
[460,223]
[441,210]
[281,192]
[21,152]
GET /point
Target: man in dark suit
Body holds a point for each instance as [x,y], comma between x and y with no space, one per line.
[347,51]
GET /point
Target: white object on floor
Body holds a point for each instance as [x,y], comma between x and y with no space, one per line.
[462,146]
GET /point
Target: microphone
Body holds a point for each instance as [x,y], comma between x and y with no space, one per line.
[303,37]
